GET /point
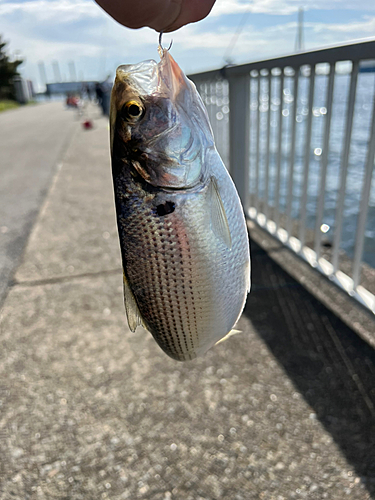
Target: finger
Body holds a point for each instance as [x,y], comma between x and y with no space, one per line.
[161,15]
[191,11]
[156,14]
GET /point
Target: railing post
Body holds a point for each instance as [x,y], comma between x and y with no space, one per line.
[256,202]
[276,216]
[344,167]
[303,212]
[363,209]
[239,134]
[323,173]
[289,221]
[267,165]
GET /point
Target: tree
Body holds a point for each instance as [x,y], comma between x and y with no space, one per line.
[8,70]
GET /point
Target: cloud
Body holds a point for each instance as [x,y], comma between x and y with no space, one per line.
[230,7]
[70,10]
[67,30]
[257,43]
[366,27]
[284,7]
[48,10]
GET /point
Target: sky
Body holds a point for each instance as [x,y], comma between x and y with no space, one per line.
[79,33]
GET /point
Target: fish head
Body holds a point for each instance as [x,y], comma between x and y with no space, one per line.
[159,123]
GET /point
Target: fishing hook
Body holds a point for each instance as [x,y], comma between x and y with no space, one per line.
[161,48]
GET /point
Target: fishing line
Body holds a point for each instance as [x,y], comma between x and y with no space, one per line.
[237,33]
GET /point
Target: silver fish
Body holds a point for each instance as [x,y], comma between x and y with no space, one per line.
[182,231]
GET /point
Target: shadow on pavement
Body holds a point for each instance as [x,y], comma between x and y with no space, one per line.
[329,364]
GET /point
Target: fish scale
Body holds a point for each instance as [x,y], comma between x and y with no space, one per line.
[182,230]
[160,290]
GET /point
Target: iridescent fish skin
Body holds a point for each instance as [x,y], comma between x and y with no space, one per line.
[182,231]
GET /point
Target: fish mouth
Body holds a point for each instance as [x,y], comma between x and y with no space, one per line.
[164,78]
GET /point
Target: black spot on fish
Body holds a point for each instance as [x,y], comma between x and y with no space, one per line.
[165,208]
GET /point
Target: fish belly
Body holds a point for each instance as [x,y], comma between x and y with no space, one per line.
[190,287]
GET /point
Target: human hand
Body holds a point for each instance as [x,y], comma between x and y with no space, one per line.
[161,15]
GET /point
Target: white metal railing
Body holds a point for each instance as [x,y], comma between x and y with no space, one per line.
[297,134]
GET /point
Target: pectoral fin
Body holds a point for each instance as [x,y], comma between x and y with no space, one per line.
[132,312]
[219,221]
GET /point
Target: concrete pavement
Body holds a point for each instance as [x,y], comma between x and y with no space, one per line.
[90,410]
[33,140]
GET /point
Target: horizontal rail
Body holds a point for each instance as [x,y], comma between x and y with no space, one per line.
[350,52]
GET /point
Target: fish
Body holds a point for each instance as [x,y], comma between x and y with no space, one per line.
[182,231]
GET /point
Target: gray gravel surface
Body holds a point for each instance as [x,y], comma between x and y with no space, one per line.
[89,410]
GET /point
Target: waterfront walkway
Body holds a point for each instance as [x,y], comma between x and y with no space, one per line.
[89,410]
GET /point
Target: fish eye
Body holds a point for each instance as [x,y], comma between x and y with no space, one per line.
[132,111]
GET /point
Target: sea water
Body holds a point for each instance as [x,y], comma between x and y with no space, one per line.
[357,155]
[216,98]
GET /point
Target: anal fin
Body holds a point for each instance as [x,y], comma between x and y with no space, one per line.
[230,334]
[219,221]
[131,307]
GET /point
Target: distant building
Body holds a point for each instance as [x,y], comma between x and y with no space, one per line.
[70,87]
[23,89]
